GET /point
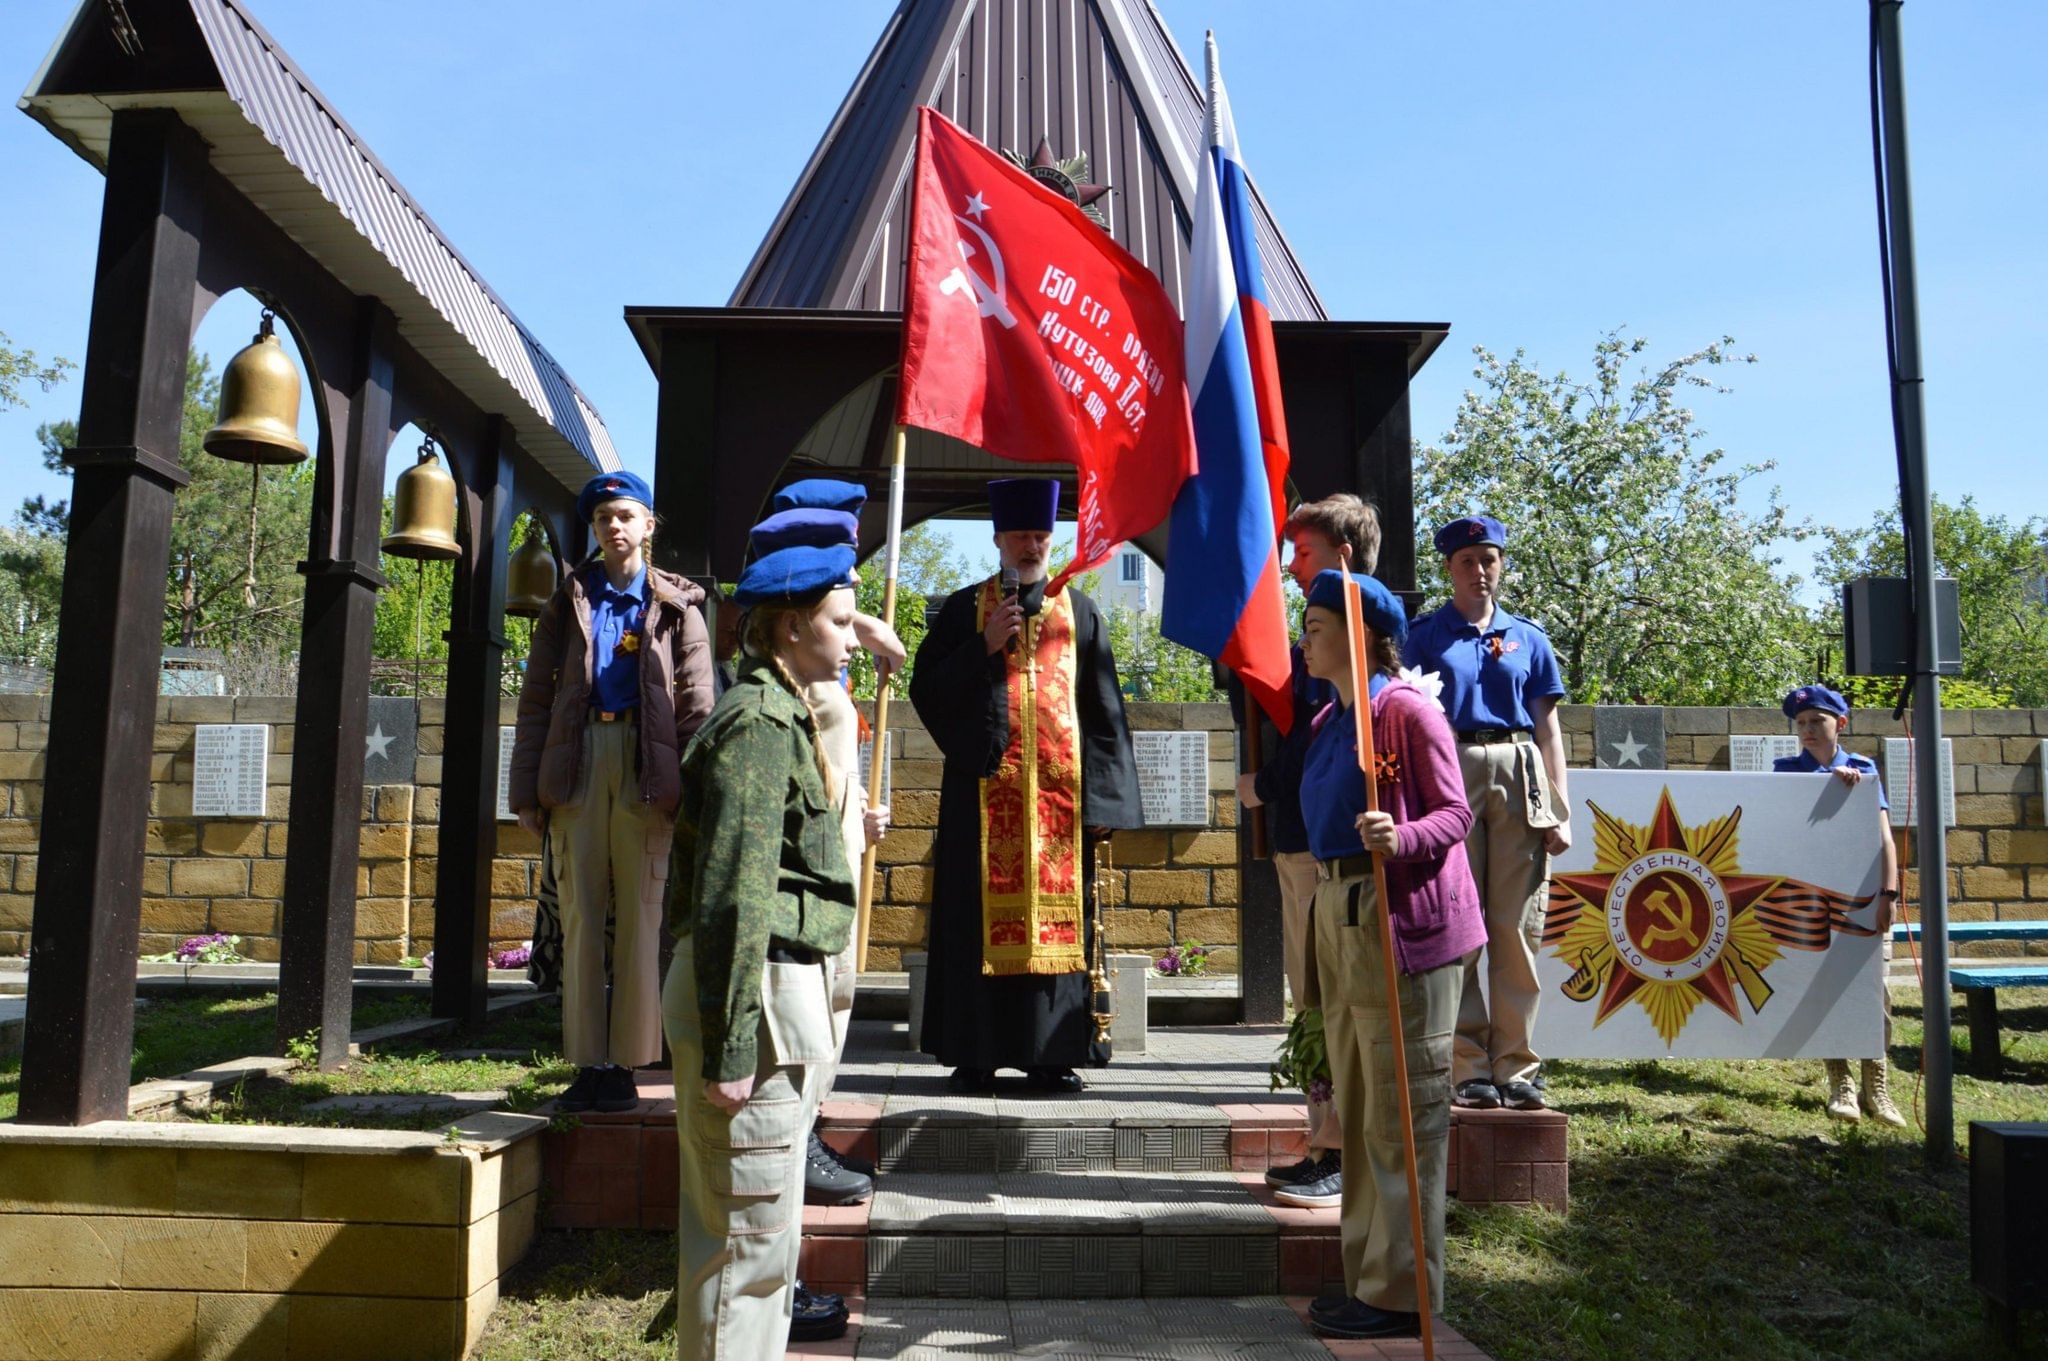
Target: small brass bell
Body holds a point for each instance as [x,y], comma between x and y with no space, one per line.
[423,511]
[530,577]
[259,404]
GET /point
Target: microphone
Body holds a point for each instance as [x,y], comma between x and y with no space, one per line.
[1009,589]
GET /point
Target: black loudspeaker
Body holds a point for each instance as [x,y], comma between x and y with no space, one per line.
[1877,632]
[2008,1196]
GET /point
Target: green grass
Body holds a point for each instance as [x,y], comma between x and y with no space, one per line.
[176,1035]
[1717,1212]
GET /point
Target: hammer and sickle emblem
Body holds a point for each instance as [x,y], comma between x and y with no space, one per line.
[1680,925]
[988,298]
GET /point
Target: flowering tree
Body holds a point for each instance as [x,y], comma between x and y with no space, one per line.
[1626,541]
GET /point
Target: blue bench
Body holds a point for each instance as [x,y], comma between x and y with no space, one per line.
[1976,931]
[1982,985]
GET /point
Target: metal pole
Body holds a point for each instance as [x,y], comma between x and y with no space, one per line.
[1931,841]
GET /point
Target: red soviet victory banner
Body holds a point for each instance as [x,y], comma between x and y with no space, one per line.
[1030,333]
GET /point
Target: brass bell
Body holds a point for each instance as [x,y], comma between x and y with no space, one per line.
[423,511]
[259,404]
[530,576]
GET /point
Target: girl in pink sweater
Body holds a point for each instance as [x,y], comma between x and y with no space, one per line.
[1420,833]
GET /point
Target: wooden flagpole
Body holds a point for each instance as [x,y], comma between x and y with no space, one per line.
[1360,639]
[878,749]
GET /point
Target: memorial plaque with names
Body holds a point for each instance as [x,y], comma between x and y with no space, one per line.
[1628,737]
[1752,753]
[888,769]
[230,762]
[391,740]
[1901,782]
[505,736]
[1173,777]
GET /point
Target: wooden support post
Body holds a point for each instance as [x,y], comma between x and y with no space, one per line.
[88,904]
[316,963]
[469,766]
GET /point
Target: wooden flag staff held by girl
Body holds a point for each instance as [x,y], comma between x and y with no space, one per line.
[762,899]
[1420,833]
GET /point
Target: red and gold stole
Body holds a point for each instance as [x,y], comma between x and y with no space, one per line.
[1031,807]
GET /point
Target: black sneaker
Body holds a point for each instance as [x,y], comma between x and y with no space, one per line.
[616,1092]
[1477,1095]
[1356,1318]
[1322,1190]
[582,1093]
[828,1183]
[816,1317]
[1517,1095]
[1293,1172]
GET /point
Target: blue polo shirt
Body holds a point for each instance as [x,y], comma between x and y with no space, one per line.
[614,616]
[1332,785]
[1490,679]
[1804,763]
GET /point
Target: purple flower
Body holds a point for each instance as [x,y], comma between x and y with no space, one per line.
[1168,963]
[1319,1089]
[514,958]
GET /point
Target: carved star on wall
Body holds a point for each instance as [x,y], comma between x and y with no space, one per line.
[1066,176]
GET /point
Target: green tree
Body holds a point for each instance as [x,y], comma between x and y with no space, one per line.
[31,588]
[1155,668]
[19,367]
[1999,566]
[1628,544]
[925,568]
[237,535]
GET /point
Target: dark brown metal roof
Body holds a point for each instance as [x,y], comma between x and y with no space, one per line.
[1097,76]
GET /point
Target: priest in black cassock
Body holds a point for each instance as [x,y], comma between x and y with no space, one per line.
[1020,693]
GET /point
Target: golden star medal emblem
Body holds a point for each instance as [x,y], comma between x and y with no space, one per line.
[1666,917]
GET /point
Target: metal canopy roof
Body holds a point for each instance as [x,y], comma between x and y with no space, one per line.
[1096,76]
[278,141]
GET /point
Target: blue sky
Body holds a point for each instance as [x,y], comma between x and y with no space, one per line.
[1531,174]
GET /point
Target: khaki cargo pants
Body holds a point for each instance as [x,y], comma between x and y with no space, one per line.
[611,859]
[1511,809]
[740,1195]
[1296,871]
[1374,1228]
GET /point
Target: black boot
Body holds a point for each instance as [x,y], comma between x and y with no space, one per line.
[616,1092]
[816,1318]
[828,1183]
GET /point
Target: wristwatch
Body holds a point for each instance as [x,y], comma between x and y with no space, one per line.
[1889,893]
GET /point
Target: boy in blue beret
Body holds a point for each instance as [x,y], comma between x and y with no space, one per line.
[1501,687]
[1820,716]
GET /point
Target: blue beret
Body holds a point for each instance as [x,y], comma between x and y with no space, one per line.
[818,528]
[1816,697]
[822,493]
[1469,531]
[617,486]
[794,573]
[1024,503]
[1383,612]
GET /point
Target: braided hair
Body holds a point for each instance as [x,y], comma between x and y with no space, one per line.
[758,628]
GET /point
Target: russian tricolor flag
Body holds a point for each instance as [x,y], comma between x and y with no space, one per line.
[1223,561]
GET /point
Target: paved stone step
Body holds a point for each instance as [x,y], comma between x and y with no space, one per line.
[1079,1235]
[1250,1328]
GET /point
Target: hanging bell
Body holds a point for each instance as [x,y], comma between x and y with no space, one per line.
[530,577]
[259,404]
[423,511]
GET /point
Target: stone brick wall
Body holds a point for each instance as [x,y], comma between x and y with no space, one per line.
[204,875]
[1165,885]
